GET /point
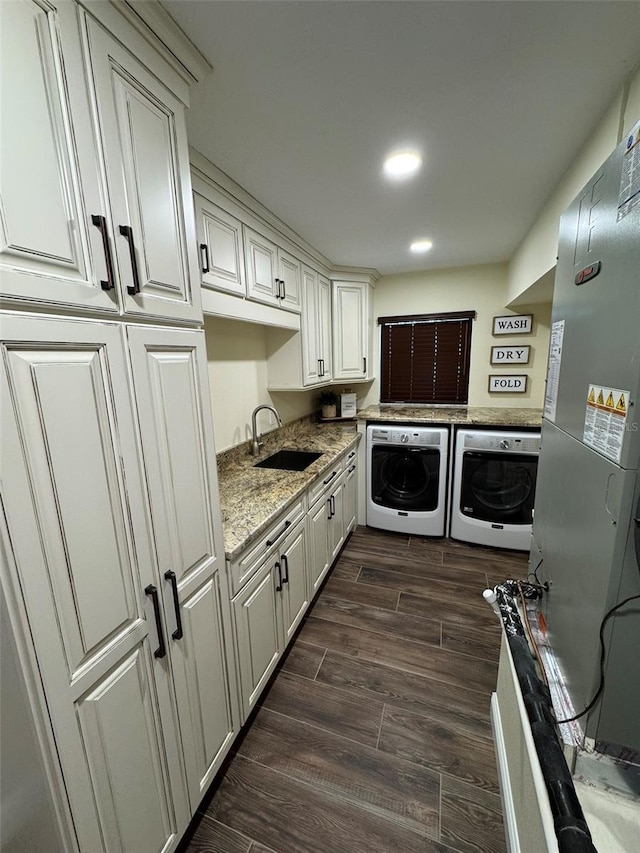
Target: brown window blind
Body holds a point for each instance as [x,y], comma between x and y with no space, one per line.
[425,358]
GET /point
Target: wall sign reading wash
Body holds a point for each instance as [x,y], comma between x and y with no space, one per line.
[516,324]
[508,384]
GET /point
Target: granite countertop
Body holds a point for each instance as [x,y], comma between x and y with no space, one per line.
[487,415]
[252,498]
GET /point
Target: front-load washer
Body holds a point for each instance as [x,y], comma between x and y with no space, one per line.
[407,478]
[494,486]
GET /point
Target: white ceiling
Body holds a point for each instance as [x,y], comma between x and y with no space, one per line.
[307,97]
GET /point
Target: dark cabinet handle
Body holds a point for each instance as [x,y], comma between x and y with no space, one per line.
[329,479]
[151,590]
[352,454]
[279,586]
[204,251]
[273,541]
[321,360]
[330,516]
[171,577]
[333,505]
[353,468]
[101,224]
[284,288]
[285,563]
[364,369]
[127,233]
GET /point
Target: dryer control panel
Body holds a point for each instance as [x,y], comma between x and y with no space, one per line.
[503,442]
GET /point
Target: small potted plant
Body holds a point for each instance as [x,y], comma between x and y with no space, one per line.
[328,401]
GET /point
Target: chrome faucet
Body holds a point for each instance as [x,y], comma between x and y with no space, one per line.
[255,446]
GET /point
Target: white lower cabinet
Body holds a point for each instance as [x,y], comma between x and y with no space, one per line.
[318,551]
[114,551]
[350,503]
[268,610]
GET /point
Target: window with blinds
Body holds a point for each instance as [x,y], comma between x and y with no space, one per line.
[425,358]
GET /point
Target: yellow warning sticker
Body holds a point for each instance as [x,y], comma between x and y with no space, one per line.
[605,422]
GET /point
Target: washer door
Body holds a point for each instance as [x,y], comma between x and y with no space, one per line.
[405,478]
[498,487]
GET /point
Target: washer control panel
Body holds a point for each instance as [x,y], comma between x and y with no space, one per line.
[405,435]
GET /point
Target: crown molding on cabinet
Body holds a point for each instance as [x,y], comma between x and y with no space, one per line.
[157,26]
[366,275]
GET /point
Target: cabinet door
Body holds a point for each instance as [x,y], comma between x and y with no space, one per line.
[312,366]
[336,521]
[256,612]
[318,520]
[350,330]
[221,248]
[49,251]
[172,395]
[143,134]
[79,537]
[324,327]
[295,598]
[262,267]
[350,507]
[291,280]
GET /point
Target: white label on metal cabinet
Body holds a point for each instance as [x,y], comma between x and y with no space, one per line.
[629,195]
[605,420]
[553,369]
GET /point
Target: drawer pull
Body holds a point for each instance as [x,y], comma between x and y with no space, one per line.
[352,454]
[273,541]
[285,563]
[327,481]
[279,586]
[330,516]
[151,590]
[353,468]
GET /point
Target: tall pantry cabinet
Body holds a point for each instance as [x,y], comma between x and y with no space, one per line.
[113,562]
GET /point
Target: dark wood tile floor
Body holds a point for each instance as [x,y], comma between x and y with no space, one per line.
[374,735]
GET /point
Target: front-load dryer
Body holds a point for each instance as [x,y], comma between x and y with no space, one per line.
[407,478]
[494,486]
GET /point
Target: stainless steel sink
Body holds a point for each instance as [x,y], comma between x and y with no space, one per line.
[289,460]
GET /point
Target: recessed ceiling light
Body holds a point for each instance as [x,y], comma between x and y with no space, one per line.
[419,246]
[401,164]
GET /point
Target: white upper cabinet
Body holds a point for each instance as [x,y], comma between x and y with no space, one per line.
[53,221]
[290,280]
[273,275]
[143,135]
[221,247]
[352,331]
[324,326]
[316,328]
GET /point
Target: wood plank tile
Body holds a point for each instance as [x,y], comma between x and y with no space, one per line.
[260,848]
[345,570]
[464,610]
[351,591]
[289,816]
[439,747]
[453,552]
[375,619]
[374,535]
[428,572]
[469,640]
[471,818]
[468,586]
[214,837]
[303,660]
[466,709]
[326,707]
[429,661]
[381,558]
[382,784]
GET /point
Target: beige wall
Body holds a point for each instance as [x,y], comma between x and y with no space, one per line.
[482,289]
[537,253]
[237,356]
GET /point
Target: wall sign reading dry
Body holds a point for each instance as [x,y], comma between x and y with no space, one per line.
[510,355]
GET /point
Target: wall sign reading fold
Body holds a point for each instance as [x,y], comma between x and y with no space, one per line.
[507,383]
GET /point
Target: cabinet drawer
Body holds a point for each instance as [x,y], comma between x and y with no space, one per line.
[245,566]
[327,480]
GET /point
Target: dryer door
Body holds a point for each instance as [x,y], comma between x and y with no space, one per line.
[498,487]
